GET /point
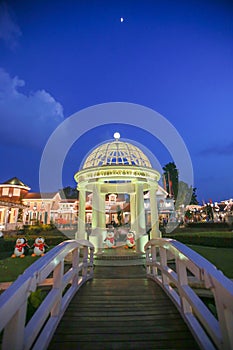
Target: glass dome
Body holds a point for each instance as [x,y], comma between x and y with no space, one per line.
[116,153]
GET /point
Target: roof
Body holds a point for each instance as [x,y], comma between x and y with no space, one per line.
[38,195]
[116,153]
[68,200]
[15,181]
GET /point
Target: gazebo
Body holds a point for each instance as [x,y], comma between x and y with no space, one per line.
[121,168]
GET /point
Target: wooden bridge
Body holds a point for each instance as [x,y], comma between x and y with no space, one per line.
[119,307]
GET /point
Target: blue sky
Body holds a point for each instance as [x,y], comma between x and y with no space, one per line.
[175,57]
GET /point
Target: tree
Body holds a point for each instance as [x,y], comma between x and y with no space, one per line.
[69,192]
[194,197]
[171,179]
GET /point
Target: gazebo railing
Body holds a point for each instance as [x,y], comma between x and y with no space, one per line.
[175,267]
[39,330]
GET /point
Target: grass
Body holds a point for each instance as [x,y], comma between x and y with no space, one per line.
[197,233]
[11,268]
[222,258]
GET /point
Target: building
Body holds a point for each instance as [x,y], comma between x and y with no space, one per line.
[117,186]
[12,206]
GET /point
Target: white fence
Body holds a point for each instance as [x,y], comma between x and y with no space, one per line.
[38,331]
[173,266]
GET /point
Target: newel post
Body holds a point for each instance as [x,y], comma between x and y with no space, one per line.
[13,337]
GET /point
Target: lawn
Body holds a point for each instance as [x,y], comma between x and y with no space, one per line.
[222,258]
[11,268]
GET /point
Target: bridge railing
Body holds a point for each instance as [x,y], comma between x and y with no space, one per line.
[66,267]
[175,267]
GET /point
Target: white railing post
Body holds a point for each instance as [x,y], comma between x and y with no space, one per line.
[183,281]
[91,252]
[84,266]
[75,265]
[57,284]
[14,331]
[154,260]
[148,267]
[163,261]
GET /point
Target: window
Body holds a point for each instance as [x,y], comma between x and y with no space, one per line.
[16,192]
[5,191]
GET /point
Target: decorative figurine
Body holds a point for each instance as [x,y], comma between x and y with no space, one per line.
[39,247]
[21,248]
[130,240]
[110,240]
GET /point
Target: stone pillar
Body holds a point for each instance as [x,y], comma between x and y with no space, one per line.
[81,233]
[155,232]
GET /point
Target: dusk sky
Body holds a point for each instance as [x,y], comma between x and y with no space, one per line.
[175,57]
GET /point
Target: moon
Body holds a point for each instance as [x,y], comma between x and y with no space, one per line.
[122,19]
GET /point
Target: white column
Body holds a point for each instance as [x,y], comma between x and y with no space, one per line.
[155,232]
[81,233]
[95,205]
[141,239]
[133,212]
[98,217]
[140,209]
[101,221]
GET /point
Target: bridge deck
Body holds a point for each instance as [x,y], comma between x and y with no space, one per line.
[121,309]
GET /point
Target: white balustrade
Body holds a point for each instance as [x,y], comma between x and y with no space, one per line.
[175,267]
[38,332]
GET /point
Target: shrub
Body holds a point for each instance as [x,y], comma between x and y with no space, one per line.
[223,240]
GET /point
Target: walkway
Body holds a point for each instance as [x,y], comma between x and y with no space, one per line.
[121,309]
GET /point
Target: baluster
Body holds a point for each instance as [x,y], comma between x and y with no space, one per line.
[75,265]
[57,284]
[84,266]
[91,253]
[163,262]
[154,259]
[182,281]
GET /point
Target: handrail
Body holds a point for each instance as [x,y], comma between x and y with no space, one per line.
[173,266]
[38,332]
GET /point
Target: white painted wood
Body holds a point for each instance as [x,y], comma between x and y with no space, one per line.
[210,332]
[13,302]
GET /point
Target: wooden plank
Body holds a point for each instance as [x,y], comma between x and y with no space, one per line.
[128,345]
[116,312]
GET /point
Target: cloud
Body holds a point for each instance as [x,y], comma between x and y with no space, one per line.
[220,150]
[9,30]
[26,120]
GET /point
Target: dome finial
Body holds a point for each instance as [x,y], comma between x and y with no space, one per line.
[116,136]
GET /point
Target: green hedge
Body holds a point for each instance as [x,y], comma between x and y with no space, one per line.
[216,226]
[223,241]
